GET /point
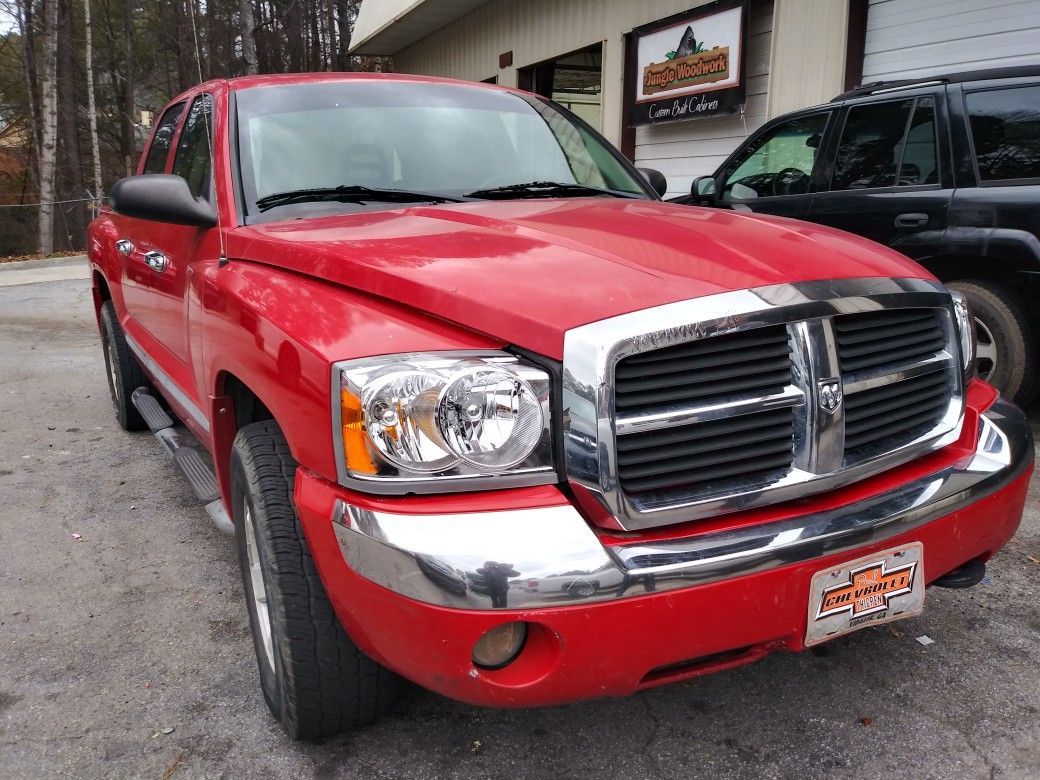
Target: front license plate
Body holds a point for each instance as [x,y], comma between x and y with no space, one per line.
[876,589]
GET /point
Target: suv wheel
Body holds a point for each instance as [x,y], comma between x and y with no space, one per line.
[314,679]
[1006,349]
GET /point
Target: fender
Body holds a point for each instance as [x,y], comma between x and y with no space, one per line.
[101,254]
[1019,248]
[278,333]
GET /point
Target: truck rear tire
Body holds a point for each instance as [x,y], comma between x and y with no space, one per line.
[314,679]
[1007,352]
[124,373]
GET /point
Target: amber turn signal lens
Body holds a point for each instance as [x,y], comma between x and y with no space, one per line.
[500,646]
[355,440]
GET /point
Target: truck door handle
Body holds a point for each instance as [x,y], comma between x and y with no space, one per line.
[124,247]
[912,220]
[157,261]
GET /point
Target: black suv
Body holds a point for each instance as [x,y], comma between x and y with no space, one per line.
[945,170]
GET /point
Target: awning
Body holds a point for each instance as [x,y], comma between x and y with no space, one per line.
[384,27]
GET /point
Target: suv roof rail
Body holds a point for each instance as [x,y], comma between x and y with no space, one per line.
[877,87]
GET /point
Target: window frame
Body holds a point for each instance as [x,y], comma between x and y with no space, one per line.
[174,137]
[728,167]
[991,87]
[937,118]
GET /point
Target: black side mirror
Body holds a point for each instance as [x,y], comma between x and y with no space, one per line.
[655,179]
[813,141]
[160,197]
[703,188]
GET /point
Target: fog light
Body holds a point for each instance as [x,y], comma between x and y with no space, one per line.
[500,646]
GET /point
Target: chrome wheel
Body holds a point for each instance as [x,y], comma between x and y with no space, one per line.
[986,359]
[256,582]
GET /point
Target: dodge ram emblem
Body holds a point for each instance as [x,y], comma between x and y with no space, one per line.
[830,394]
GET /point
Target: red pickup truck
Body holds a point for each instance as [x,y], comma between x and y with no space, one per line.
[484,413]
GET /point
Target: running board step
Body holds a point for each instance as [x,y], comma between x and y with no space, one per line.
[201,479]
[189,462]
[154,415]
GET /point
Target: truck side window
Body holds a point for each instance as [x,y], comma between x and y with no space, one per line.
[193,149]
[155,162]
[1005,128]
[871,145]
[779,162]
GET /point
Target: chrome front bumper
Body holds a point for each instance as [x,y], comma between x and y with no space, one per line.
[550,557]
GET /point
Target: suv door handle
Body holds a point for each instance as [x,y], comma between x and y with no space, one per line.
[124,247]
[157,261]
[912,220]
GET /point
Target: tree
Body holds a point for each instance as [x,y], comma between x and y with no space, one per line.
[73,89]
[95,148]
[49,126]
[346,24]
[245,12]
[127,127]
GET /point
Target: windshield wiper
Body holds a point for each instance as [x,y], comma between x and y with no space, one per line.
[546,189]
[353,193]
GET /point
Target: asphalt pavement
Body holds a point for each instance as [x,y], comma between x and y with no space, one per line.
[125,650]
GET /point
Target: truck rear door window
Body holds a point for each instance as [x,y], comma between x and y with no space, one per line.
[193,148]
[155,162]
[1005,129]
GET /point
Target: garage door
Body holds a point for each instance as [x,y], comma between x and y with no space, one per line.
[910,38]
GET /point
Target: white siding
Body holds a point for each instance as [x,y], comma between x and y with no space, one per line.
[535,31]
[910,38]
[687,149]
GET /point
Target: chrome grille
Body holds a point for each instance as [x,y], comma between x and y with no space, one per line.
[700,375]
[892,412]
[727,402]
[881,417]
[872,340]
[755,361]
[709,455]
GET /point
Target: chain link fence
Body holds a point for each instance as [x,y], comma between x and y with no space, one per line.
[20,228]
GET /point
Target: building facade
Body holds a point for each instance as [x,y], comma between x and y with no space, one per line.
[678,84]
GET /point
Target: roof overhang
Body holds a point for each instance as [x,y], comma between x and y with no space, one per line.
[384,27]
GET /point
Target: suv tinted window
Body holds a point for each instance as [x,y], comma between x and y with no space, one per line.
[779,162]
[918,164]
[193,157]
[1005,127]
[882,147]
[155,162]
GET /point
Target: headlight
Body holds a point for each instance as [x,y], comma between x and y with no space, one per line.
[442,421]
[965,323]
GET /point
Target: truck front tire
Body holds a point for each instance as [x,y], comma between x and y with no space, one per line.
[124,373]
[314,679]
[1007,350]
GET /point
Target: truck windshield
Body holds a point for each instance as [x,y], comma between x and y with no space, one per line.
[299,145]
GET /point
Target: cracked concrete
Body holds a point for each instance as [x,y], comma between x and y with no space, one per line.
[139,626]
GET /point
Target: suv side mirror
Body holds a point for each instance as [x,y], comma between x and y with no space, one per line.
[655,179]
[160,197]
[703,188]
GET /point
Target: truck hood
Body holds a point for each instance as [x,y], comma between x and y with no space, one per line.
[526,271]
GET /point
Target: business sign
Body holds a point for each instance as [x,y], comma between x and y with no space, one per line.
[689,66]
